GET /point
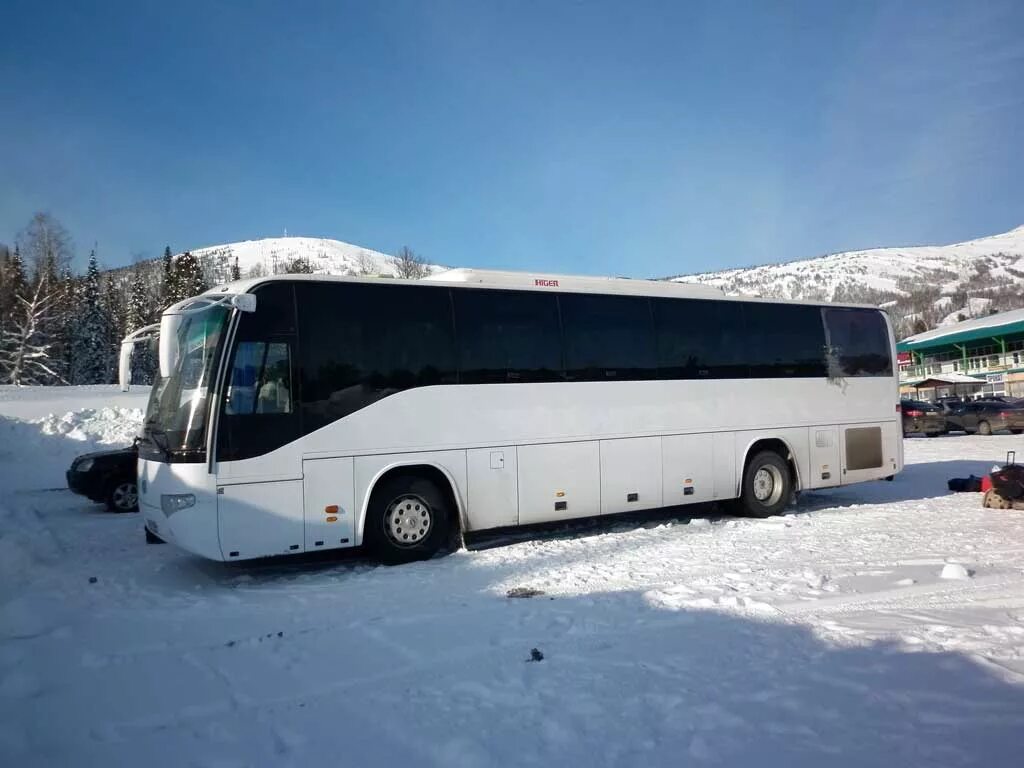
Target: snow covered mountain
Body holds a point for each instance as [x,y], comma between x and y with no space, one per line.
[270,255]
[892,270]
[920,285]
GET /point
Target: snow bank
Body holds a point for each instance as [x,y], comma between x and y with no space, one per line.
[27,403]
[35,454]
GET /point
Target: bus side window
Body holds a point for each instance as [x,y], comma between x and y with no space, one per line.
[699,339]
[784,340]
[507,336]
[607,338]
[261,379]
[858,341]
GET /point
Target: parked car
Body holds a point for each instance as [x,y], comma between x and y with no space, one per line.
[108,477]
[919,416]
[987,416]
[1000,399]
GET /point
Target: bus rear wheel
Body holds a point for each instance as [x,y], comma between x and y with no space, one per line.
[407,519]
[767,485]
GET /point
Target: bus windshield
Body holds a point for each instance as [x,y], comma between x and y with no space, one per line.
[175,424]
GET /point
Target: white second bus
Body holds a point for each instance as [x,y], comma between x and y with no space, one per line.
[306,413]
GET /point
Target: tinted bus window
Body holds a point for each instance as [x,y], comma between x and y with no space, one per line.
[784,340]
[361,343]
[858,342]
[699,339]
[507,336]
[257,412]
[607,338]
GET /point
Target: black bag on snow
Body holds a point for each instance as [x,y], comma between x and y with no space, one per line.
[964,484]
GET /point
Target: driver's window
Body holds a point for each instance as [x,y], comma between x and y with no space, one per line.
[261,380]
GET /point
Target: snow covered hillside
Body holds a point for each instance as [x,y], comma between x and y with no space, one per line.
[269,255]
[892,270]
[878,624]
[930,283]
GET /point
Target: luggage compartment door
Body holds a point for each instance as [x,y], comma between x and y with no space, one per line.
[328,503]
[825,469]
[630,474]
[559,481]
[260,519]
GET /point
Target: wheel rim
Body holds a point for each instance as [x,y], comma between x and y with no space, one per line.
[985,428]
[125,496]
[767,485]
[407,520]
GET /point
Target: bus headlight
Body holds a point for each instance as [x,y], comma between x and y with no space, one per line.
[174,502]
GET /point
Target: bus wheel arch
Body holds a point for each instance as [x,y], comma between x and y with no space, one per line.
[756,452]
[417,479]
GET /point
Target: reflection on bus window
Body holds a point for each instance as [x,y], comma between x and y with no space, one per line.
[261,380]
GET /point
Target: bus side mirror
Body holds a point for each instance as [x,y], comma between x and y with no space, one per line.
[244,302]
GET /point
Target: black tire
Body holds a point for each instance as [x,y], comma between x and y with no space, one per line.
[984,428]
[395,539]
[764,495]
[1016,431]
[932,434]
[152,538]
[122,495]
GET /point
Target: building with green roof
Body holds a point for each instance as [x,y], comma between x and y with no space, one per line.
[984,356]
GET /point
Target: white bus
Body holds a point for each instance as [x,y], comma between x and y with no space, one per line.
[300,413]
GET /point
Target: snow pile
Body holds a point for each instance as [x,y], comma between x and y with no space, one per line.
[35,454]
[34,402]
[954,571]
[104,426]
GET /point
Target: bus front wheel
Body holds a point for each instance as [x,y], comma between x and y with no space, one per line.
[407,519]
[767,485]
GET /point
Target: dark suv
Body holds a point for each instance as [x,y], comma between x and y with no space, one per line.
[987,416]
[108,477]
[919,416]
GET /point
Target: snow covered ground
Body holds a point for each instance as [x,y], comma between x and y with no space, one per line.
[828,636]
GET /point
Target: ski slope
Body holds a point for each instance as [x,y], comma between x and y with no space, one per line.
[879,624]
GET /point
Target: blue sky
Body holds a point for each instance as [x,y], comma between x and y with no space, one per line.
[641,139]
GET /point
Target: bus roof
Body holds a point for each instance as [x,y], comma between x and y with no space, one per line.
[533,281]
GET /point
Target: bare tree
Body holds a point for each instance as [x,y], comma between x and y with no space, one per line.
[408,264]
[365,265]
[45,245]
[25,349]
[257,270]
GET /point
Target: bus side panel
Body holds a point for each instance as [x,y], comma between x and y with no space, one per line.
[328,503]
[260,519]
[869,451]
[630,474]
[492,488]
[724,465]
[687,469]
[559,481]
[823,447]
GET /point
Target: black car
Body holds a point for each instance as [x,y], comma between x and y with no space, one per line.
[987,416]
[922,417]
[108,477]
